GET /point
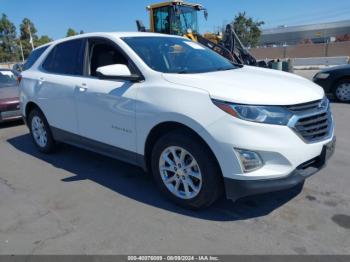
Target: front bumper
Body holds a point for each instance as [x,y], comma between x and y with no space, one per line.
[236,189]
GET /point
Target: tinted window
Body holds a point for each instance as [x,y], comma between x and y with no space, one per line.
[66,58]
[34,55]
[177,55]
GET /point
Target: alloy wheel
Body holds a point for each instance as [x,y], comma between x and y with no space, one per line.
[180,172]
[39,132]
[343,92]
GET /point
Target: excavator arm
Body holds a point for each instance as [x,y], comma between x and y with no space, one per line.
[232,42]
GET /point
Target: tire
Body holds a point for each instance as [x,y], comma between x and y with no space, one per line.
[40,132]
[205,186]
[341,91]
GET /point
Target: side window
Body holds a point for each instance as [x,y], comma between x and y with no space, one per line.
[103,53]
[34,55]
[66,58]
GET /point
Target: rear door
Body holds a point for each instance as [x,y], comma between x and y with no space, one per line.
[61,75]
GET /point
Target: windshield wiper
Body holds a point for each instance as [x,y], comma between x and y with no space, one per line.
[182,72]
[216,69]
[224,68]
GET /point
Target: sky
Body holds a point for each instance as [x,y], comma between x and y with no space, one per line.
[54,17]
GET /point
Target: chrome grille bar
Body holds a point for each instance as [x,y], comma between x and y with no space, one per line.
[302,128]
[312,121]
[304,107]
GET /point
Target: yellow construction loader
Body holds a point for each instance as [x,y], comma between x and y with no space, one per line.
[181,18]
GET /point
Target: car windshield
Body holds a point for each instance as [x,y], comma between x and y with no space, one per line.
[7,78]
[177,55]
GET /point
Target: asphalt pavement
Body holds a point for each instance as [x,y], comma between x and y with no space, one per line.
[77,202]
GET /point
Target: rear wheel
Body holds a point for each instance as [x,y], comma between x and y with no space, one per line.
[185,170]
[342,91]
[40,131]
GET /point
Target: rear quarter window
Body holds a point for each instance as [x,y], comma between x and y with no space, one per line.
[66,58]
[34,55]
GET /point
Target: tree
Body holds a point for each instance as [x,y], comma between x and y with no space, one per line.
[71,32]
[44,39]
[8,46]
[247,29]
[25,26]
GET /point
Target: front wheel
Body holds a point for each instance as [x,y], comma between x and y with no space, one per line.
[186,170]
[342,91]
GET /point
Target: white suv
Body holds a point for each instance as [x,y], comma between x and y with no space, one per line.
[200,124]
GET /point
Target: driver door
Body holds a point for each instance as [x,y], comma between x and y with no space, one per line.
[106,108]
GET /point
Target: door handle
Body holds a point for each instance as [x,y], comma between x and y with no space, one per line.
[41,80]
[82,88]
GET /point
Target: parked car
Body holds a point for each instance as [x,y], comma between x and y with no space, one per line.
[200,124]
[335,81]
[18,68]
[9,96]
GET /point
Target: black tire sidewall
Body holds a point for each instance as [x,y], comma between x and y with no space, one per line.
[211,181]
[50,145]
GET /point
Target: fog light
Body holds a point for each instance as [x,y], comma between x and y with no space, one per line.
[250,160]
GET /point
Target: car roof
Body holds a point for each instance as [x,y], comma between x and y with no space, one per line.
[109,34]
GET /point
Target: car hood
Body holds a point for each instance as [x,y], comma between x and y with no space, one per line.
[7,92]
[252,85]
[335,68]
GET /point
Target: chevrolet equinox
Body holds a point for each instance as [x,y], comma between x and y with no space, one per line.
[200,124]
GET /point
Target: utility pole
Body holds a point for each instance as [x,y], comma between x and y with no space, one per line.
[30,37]
[20,45]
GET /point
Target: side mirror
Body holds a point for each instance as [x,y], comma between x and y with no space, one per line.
[116,72]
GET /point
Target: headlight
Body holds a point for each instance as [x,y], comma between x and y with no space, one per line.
[321,76]
[275,115]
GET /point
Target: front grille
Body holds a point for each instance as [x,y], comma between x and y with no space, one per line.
[304,107]
[312,121]
[314,127]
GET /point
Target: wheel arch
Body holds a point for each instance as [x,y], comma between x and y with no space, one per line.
[165,127]
[29,107]
[338,80]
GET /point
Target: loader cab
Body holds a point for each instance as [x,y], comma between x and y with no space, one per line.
[174,18]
